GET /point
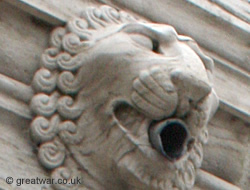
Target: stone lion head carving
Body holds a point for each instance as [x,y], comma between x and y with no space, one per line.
[122,103]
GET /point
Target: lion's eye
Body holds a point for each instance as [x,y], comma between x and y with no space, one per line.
[156,46]
[144,41]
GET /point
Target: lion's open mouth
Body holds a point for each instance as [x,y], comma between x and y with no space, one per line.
[166,150]
[170,137]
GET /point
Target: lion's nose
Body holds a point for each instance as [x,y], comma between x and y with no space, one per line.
[191,86]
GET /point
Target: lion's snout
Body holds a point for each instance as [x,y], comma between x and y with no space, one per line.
[160,93]
[192,87]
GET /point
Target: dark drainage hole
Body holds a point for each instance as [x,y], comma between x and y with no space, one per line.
[173,138]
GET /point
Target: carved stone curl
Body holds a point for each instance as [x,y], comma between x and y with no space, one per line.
[127,100]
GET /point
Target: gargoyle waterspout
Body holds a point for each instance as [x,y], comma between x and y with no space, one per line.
[122,103]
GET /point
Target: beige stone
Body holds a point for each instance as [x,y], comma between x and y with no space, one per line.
[107,95]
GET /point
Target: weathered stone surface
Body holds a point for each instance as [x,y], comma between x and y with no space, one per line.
[120,93]
[227,153]
[210,182]
[22,40]
[17,155]
[74,114]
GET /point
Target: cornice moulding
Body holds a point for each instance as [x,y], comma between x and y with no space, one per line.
[17,107]
[208,181]
[54,12]
[15,89]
